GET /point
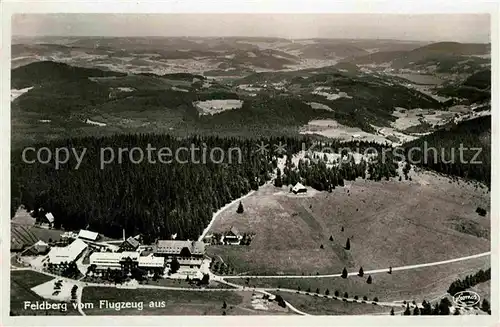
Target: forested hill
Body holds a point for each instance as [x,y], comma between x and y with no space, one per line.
[155,199]
[473,134]
[50,72]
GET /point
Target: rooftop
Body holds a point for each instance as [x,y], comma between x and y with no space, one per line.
[175,247]
[86,234]
[69,253]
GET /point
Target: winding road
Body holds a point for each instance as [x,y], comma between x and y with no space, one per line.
[375,271]
[239,288]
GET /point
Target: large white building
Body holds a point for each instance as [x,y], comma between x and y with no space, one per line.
[188,253]
[115,261]
[112,260]
[70,253]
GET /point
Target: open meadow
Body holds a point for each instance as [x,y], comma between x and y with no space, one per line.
[388,223]
[176,302]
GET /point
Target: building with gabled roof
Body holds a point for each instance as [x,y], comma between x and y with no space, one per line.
[232,236]
[48,219]
[188,253]
[119,260]
[151,262]
[41,247]
[113,260]
[70,253]
[88,235]
[299,188]
[130,244]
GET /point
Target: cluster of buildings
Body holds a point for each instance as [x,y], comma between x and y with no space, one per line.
[105,255]
[130,253]
[189,255]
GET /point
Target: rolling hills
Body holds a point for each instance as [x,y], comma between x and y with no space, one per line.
[165,103]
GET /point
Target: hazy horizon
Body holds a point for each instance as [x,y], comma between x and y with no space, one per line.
[471,28]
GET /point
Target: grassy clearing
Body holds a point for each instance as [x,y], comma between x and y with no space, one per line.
[29,278]
[389,223]
[20,291]
[417,284]
[176,302]
[321,306]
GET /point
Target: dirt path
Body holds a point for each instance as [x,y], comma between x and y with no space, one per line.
[205,231]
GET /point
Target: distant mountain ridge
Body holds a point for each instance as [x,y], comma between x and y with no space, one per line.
[402,59]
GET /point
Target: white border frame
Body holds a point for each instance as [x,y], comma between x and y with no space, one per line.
[257,6]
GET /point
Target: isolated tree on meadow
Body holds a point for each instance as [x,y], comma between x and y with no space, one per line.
[344,273]
[361,272]
[331,238]
[348,244]
[240,208]
[327,292]
[346,295]
[392,311]
[224,305]
[342,229]
[369,280]
[321,246]
[336,293]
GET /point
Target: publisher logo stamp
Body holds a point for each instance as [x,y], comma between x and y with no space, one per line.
[466,299]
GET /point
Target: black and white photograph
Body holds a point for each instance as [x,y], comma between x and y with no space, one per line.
[250,164]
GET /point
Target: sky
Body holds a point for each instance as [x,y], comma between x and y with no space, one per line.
[439,27]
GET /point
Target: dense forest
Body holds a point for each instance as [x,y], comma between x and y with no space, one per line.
[471,280]
[155,199]
[473,135]
[324,174]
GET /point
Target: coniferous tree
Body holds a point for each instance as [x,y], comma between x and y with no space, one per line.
[240,208]
[485,306]
[344,273]
[348,244]
[361,273]
[278,182]
[369,280]
[392,311]
[174,265]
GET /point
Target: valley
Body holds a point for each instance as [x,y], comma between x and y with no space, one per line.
[327,211]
